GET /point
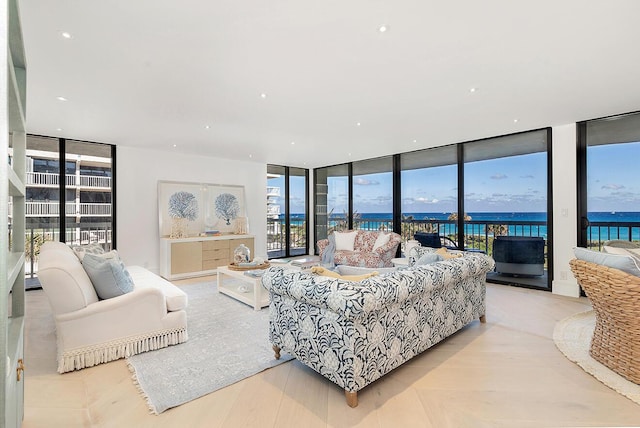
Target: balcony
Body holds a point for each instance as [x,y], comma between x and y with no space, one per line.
[77,234]
[273,191]
[48,179]
[52,209]
[276,239]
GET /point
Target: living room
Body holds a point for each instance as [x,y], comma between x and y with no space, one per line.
[166,128]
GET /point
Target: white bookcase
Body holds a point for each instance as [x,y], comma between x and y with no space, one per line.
[12,214]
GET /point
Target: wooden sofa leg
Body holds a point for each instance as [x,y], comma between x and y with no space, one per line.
[276,349]
[483,319]
[352,398]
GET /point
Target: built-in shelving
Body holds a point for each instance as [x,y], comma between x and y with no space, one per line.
[13,77]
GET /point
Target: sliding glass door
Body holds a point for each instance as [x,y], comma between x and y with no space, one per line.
[506,203]
[609,193]
[69,195]
[287,211]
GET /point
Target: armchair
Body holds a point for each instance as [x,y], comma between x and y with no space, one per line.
[363,253]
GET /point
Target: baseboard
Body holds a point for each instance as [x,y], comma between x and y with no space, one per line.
[566,288]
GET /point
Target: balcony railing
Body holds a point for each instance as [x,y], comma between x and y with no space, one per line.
[95,210]
[599,232]
[52,209]
[273,191]
[84,233]
[479,234]
[276,239]
[49,179]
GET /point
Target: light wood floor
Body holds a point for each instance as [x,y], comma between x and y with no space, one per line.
[505,373]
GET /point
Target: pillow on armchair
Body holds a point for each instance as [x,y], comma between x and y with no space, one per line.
[345,240]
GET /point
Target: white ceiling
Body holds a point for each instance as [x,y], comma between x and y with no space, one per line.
[154,73]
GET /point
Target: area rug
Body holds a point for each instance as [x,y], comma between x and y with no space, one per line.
[228,341]
[572,336]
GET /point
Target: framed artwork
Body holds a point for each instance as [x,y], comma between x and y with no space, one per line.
[195,209]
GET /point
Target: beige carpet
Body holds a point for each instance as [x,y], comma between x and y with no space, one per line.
[572,336]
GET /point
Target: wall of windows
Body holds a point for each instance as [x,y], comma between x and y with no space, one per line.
[468,193]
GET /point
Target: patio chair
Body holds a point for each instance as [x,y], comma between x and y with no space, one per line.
[519,255]
[434,240]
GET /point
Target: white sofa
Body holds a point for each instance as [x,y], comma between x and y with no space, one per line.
[91,331]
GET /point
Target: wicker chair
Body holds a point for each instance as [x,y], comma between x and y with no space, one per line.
[615,297]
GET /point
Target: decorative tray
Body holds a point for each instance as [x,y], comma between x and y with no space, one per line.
[234,266]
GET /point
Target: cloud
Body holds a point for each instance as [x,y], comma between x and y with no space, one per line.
[364,182]
[427,200]
[498,176]
[527,176]
[612,186]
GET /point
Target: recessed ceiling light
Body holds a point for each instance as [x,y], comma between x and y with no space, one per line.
[175,145]
[293,143]
[58,129]
[263,95]
[515,120]
[250,156]
[357,123]
[66,35]
[473,89]
[383,28]
[349,154]
[61,99]
[415,141]
[207,127]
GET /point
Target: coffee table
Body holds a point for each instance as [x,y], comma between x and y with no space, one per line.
[247,290]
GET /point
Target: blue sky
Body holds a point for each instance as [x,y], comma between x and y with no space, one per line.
[512,184]
[612,177]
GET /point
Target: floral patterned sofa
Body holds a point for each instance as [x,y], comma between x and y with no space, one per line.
[366,252]
[355,332]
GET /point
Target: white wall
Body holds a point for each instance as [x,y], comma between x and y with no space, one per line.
[138,172]
[565,208]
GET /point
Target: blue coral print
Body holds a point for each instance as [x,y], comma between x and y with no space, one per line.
[183,205]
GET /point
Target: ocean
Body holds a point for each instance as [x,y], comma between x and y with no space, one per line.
[604,225]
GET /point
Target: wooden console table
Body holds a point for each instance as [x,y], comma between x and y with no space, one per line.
[198,256]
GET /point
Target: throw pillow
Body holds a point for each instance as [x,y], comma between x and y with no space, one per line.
[108,275]
[633,252]
[319,270]
[357,270]
[381,240]
[624,263]
[345,240]
[447,254]
[427,259]
[81,250]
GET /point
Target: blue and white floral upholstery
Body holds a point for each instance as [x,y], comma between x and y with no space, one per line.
[355,332]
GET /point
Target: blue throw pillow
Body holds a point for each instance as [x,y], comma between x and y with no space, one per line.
[624,263]
[108,276]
